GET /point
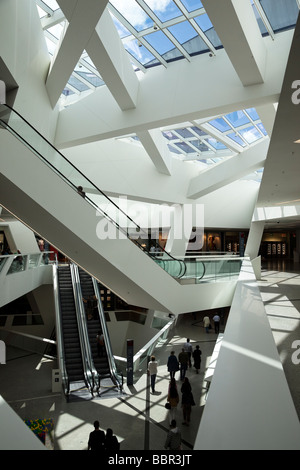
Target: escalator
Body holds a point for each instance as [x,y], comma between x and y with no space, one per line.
[107,376]
[74,370]
[93,231]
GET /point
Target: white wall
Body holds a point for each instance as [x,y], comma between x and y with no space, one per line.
[24,52]
[19,237]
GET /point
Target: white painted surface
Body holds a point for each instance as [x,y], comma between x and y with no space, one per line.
[249,405]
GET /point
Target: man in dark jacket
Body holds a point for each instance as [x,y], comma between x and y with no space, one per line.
[97,438]
[172,364]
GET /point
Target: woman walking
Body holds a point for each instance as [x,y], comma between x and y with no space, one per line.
[173,399]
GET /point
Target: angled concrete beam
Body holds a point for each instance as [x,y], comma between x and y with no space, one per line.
[155,145]
[230,170]
[107,52]
[83,19]
[184,92]
[236,25]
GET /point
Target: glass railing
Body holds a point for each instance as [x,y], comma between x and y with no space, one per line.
[21,129]
[140,359]
[11,264]
[212,268]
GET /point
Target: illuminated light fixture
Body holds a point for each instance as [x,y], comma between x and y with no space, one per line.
[297,141]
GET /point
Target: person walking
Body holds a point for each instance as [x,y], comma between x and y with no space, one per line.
[96,438]
[111,443]
[197,358]
[173,441]
[189,349]
[187,401]
[206,323]
[173,399]
[183,359]
[172,364]
[216,320]
[152,371]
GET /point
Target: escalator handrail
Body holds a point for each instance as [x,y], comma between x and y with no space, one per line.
[111,360]
[59,341]
[86,355]
[138,228]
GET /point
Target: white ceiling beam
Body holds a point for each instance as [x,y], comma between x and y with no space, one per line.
[229,171]
[83,19]
[155,145]
[185,91]
[236,25]
[107,52]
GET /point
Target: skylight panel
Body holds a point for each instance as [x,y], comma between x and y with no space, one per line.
[237,118]
[236,138]
[206,26]
[220,124]
[252,113]
[282,14]
[159,41]
[183,32]
[165,10]
[217,145]
[120,27]
[184,133]
[251,134]
[192,5]
[140,52]
[185,147]
[133,13]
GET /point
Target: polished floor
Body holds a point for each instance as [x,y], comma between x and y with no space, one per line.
[138,417]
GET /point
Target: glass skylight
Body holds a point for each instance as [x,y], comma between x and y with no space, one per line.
[274,16]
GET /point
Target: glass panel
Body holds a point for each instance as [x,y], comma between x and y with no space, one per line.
[220,124]
[122,30]
[217,145]
[3,260]
[250,134]
[183,32]
[76,83]
[236,138]
[164,11]
[262,129]
[160,42]
[33,261]
[282,14]
[200,145]
[259,20]
[199,131]
[17,265]
[252,113]
[140,52]
[237,118]
[133,13]
[184,133]
[185,147]
[205,24]
[192,5]
[169,135]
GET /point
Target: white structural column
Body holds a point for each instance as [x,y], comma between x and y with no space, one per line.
[180,231]
[238,30]
[112,61]
[254,239]
[230,170]
[155,145]
[82,22]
